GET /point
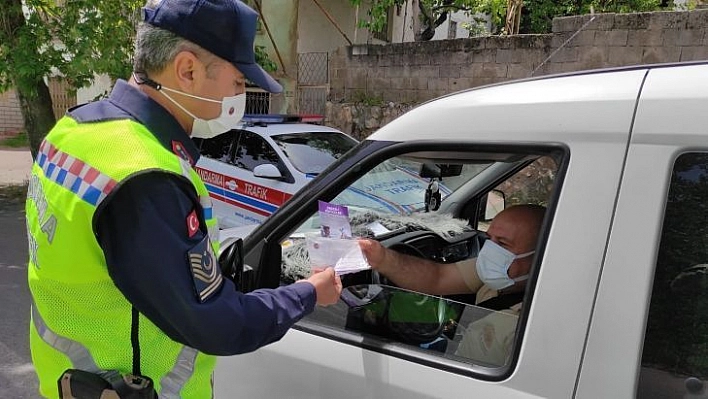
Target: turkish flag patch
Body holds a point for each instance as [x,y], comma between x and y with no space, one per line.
[192,224]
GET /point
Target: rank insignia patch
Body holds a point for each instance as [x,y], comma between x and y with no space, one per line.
[206,273]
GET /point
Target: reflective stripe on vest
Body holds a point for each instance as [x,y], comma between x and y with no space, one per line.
[78,354]
[80,357]
[73,174]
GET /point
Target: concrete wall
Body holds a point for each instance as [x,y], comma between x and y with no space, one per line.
[410,73]
[10,116]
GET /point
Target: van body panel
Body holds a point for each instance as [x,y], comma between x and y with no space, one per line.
[658,138]
[582,330]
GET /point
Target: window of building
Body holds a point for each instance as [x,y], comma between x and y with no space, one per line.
[257,101]
[452,30]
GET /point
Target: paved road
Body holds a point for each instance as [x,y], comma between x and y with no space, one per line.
[17,377]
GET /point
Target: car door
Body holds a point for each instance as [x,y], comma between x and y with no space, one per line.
[581,121]
[648,336]
[259,196]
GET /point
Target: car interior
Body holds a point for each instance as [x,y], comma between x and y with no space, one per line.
[442,216]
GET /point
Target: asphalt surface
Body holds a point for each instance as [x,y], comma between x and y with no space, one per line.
[17,376]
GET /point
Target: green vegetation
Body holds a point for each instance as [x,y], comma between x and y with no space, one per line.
[19,141]
[371,100]
[76,40]
[264,60]
[536,15]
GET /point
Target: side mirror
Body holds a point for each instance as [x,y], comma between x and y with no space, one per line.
[267,171]
[494,204]
[231,259]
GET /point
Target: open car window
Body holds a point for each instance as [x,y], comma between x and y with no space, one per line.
[396,194]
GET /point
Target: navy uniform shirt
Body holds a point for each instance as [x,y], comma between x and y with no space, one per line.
[143,231]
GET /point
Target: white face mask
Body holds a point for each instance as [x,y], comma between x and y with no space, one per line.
[493,264]
[232,109]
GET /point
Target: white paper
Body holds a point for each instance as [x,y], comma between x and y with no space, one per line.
[377,228]
[342,254]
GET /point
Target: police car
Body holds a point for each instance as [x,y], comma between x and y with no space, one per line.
[252,171]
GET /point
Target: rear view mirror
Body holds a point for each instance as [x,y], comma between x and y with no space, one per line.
[494,204]
[430,170]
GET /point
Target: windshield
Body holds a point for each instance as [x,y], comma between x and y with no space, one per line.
[312,152]
[393,187]
[396,187]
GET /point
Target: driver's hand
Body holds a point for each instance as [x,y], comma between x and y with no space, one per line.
[328,286]
[373,251]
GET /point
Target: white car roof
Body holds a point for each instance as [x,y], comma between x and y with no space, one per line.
[547,109]
[284,128]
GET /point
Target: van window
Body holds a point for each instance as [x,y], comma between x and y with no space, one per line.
[675,354]
[388,203]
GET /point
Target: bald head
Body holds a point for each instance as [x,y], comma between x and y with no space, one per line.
[518,227]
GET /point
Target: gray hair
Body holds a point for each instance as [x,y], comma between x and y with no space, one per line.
[155,48]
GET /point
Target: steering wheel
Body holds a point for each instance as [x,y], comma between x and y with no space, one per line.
[403,248]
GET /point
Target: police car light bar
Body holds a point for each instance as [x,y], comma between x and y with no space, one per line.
[311,118]
[281,118]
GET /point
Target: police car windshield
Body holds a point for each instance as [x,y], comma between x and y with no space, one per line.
[312,152]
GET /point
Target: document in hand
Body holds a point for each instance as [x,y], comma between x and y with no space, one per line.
[342,254]
[334,220]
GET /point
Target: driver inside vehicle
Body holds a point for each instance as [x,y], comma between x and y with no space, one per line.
[497,276]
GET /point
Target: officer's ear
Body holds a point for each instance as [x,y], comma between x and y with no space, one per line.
[185,69]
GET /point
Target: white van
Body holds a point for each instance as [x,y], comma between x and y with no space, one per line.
[617,301]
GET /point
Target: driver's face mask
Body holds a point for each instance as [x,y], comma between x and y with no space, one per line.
[232,110]
[493,265]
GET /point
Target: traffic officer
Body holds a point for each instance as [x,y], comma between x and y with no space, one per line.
[122,268]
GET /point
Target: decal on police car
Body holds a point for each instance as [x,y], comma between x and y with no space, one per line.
[206,273]
[252,197]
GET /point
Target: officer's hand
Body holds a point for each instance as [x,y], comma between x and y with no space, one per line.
[328,286]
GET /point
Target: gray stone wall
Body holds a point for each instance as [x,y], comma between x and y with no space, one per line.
[396,76]
[10,116]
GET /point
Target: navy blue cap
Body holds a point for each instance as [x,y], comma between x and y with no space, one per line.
[226,28]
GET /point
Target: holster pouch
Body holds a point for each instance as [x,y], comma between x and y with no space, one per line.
[79,384]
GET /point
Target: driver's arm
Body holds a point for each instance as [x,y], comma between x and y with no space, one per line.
[414,273]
